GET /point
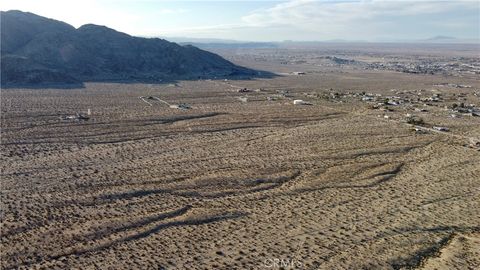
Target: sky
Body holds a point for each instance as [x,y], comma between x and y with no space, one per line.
[264,20]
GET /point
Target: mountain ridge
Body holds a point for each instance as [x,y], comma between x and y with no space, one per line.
[36,50]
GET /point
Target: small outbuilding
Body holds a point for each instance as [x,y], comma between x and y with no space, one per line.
[301,102]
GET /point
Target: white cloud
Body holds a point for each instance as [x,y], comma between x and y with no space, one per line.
[353,17]
[296,19]
[320,20]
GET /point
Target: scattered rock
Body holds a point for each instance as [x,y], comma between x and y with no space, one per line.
[444,129]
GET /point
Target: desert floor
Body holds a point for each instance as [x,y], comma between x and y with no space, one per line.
[227,184]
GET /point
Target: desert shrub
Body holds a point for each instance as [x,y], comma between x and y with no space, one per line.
[415,120]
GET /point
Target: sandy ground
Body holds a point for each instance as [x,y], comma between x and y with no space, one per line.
[235,185]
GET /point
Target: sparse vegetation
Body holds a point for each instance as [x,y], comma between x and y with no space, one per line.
[415,120]
[229,184]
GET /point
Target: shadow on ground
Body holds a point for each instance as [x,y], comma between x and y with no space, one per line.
[260,74]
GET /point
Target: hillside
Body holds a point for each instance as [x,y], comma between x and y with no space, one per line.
[36,50]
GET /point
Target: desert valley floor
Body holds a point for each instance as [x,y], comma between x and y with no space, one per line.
[244,179]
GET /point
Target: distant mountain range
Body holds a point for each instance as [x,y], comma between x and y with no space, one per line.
[238,45]
[448,39]
[208,43]
[435,38]
[37,50]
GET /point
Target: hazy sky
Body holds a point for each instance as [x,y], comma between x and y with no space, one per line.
[372,20]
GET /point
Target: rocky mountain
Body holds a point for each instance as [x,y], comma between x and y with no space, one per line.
[36,49]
